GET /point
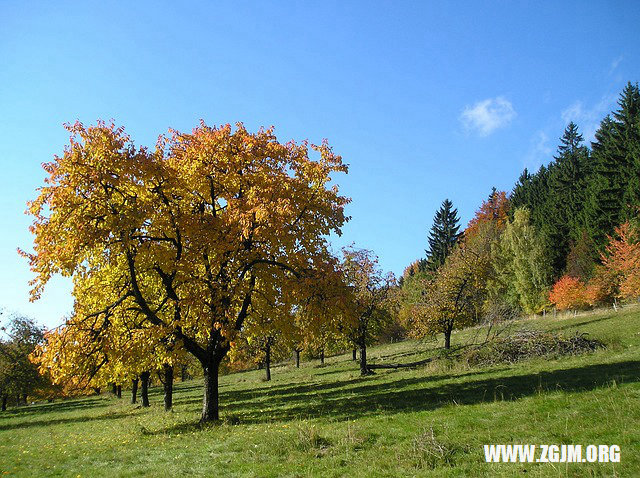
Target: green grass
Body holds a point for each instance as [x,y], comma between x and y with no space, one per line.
[328,421]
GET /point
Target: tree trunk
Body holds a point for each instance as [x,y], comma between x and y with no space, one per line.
[4,402]
[210,410]
[297,352]
[168,387]
[447,338]
[119,391]
[97,390]
[355,351]
[267,360]
[183,373]
[114,388]
[322,357]
[144,390]
[24,399]
[134,390]
[363,359]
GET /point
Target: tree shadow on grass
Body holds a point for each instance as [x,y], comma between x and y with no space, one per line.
[422,393]
[256,401]
[418,352]
[275,391]
[68,405]
[184,386]
[584,322]
[288,393]
[59,421]
[333,371]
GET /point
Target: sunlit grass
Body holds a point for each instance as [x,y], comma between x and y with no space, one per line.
[329,421]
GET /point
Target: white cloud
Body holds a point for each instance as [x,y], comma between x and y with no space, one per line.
[539,151]
[486,116]
[588,117]
[615,63]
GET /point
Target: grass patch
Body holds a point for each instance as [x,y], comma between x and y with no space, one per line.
[430,452]
[329,421]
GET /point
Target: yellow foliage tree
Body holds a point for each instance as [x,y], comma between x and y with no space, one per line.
[186,237]
[370,299]
[454,295]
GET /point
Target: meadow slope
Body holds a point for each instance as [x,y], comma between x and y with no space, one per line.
[329,421]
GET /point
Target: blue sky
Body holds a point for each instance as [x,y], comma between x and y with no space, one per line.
[424,100]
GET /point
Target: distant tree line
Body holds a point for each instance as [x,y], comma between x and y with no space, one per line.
[566,237]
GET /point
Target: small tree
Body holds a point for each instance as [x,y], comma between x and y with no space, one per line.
[453,298]
[568,293]
[368,299]
[494,210]
[19,377]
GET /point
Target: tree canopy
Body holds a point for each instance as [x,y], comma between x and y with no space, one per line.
[185,242]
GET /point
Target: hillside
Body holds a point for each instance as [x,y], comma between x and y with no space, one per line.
[329,421]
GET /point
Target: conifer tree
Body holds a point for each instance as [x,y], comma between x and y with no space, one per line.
[443,236]
[565,201]
[613,192]
[532,191]
[521,193]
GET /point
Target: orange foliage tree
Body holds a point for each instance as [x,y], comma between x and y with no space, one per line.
[621,260]
[495,209]
[568,293]
[190,238]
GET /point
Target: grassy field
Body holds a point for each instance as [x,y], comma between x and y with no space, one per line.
[328,421]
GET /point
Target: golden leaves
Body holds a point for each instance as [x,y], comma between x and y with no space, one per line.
[181,245]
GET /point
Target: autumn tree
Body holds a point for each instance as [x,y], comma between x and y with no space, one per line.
[621,261]
[602,287]
[369,295]
[494,210]
[568,293]
[19,377]
[114,345]
[190,233]
[454,296]
[617,277]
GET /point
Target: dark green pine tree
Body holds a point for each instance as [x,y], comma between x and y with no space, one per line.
[443,235]
[521,193]
[604,190]
[532,191]
[627,122]
[614,186]
[563,220]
